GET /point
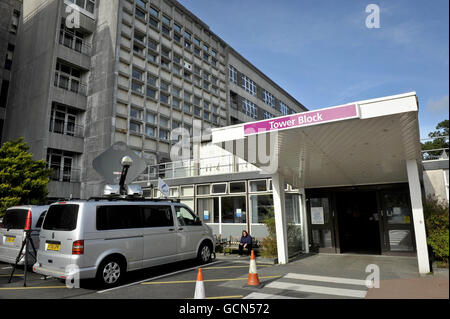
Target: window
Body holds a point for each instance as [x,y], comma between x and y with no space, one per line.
[61,218]
[165,30]
[136,113]
[164,86]
[219,188]
[215,119]
[268,98]
[165,63]
[215,109]
[87,5]
[206,115]
[268,115]
[141,3]
[175,124]
[187,96]
[152,57]
[154,12]
[187,107]
[208,209]
[187,35]
[63,121]
[166,20]
[163,134]
[117,217]
[196,100]
[237,187]
[151,118]
[151,93]
[177,38]
[176,69]
[41,220]
[249,109]
[197,111]
[205,105]
[213,53]
[151,80]
[187,44]
[261,206]
[196,51]
[153,22]
[15,219]
[135,127]
[234,209]
[186,218]
[139,37]
[150,131]
[137,74]
[284,109]
[248,85]
[176,103]
[205,57]
[163,121]
[68,78]
[164,98]
[138,49]
[136,87]
[62,162]
[15,22]
[166,52]
[152,45]
[203,189]
[140,14]
[73,39]
[176,91]
[258,186]
[196,41]
[205,48]
[157,216]
[232,74]
[177,27]
[4,93]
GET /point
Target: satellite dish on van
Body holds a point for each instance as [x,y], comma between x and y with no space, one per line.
[110,163]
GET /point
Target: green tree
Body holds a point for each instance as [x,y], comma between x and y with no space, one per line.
[439,140]
[23,181]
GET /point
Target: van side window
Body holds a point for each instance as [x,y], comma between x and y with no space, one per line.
[157,216]
[40,220]
[185,217]
[118,217]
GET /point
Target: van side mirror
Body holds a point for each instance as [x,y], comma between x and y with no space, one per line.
[197,220]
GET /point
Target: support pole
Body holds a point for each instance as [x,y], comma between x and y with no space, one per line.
[417,214]
[280,218]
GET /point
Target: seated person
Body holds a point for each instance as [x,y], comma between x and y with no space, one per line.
[246,242]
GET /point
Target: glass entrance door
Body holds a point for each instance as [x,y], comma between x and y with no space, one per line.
[321,222]
[398,232]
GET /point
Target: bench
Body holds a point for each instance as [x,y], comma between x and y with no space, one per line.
[232,244]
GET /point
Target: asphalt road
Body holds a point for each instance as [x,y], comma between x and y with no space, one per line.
[222,280]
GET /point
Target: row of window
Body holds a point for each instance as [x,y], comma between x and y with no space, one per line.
[88,5]
[200,48]
[249,86]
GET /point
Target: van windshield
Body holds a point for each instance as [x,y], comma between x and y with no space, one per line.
[61,217]
[15,219]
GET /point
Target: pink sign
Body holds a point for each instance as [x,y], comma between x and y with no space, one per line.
[303,119]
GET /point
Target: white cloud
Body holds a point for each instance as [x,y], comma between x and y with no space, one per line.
[439,105]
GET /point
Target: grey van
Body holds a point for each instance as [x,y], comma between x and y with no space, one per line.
[105,239]
[11,231]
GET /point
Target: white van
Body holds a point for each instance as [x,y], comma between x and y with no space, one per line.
[11,232]
[104,239]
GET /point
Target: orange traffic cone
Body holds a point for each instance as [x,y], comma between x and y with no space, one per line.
[28,221]
[253,279]
[199,286]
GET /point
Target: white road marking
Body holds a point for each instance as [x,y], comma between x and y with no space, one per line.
[336,280]
[258,295]
[154,278]
[318,289]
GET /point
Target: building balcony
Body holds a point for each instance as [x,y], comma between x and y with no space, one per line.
[75,96]
[69,142]
[217,165]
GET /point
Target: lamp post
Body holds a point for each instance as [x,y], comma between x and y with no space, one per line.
[126,163]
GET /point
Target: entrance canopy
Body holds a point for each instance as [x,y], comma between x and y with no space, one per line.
[365,142]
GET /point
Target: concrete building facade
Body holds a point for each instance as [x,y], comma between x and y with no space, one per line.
[10,13]
[129,71]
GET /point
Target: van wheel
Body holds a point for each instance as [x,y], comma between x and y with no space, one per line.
[110,272]
[204,253]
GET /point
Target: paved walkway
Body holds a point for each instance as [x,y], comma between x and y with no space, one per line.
[330,276]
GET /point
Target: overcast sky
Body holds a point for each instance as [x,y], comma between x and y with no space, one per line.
[322,53]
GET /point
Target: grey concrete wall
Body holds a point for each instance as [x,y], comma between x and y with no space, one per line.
[28,105]
[101,96]
[434,183]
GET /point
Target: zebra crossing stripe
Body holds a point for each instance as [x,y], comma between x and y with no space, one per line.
[318,289]
[258,295]
[337,280]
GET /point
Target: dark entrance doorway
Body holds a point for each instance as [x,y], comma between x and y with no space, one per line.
[358,222]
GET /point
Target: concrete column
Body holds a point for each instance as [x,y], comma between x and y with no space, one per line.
[304,221]
[280,218]
[417,214]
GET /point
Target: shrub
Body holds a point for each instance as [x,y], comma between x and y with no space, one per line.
[436,222]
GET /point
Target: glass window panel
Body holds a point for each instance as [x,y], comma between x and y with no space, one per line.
[203,189]
[400,240]
[258,186]
[322,237]
[237,187]
[219,188]
[262,207]
[234,209]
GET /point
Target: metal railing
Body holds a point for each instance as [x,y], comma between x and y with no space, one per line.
[71,41]
[65,174]
[217,165]
[70,84]
[436,153]
[66,128]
